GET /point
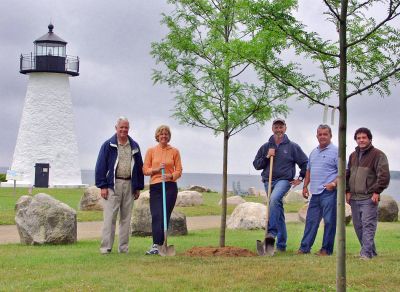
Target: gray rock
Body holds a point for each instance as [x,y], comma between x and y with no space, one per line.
[200,189]
[189,198]
[302,213]
[42,219]
[141,222]
[91,200]
[144,199]
[388,210]
[177,224]
[233,200]
[252,191]
[294,197]
[347,214]
[248,216]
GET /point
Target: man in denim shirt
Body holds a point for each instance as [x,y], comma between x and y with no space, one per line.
[287,155]
[321,176]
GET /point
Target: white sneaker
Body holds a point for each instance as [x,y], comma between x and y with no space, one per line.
[153,250]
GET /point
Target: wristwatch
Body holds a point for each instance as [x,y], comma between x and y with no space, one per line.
[300,178]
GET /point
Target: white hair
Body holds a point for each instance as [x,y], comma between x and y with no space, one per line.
[121,119]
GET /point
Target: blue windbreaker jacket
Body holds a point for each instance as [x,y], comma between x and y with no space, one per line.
[107,162]
[287,155]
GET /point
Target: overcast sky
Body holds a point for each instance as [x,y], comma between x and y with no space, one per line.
[112,39]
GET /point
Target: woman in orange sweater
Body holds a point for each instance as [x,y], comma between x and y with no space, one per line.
[161,156]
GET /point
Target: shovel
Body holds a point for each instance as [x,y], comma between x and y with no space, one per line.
[266,247]
[165,250]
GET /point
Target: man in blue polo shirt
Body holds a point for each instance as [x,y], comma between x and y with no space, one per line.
[321,177]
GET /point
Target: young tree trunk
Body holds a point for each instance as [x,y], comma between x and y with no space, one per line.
[341,227]
[224,189]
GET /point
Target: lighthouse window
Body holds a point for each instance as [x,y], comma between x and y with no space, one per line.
[39,50]
[46,50]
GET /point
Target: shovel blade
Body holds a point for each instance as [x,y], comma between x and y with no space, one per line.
[167,251]
[269,244]
[260,248]
[266,247]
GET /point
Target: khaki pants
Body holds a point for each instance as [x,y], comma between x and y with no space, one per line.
[121,199]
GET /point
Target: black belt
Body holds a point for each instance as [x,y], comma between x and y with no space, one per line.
[123,178]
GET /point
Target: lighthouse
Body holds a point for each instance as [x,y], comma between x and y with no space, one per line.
[46,152]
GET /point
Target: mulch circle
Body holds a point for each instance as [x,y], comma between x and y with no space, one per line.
[227,251]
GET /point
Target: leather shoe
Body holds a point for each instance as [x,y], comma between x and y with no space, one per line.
[322,253]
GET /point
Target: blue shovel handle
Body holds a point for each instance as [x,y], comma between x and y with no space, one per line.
[164,200]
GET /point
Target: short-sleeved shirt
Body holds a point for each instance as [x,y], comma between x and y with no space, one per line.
[323,166]
[124,160]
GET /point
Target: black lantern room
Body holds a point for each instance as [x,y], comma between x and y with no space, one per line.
[49,56]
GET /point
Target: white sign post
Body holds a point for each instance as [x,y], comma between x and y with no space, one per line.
[14,175]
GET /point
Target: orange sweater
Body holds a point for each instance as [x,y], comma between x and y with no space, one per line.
[157,155]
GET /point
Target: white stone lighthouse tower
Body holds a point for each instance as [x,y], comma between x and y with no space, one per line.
[46,144]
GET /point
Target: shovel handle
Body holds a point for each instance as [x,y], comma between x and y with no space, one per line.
[271,165]
[164,202]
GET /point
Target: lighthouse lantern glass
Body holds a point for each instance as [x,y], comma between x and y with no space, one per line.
[50,49]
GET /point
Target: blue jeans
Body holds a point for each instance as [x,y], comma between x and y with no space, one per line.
[276,224]
[321,206]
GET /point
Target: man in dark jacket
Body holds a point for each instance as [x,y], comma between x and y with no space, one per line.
[120,177]
[367,176]
[287,154]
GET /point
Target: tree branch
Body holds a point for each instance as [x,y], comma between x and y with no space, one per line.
[332,10]
[391,16]
[359,6]
[241,71]
[372,84]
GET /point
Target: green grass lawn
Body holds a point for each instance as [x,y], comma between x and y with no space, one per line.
[80,267]
[72,198]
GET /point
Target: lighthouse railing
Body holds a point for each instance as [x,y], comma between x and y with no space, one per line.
[48,63]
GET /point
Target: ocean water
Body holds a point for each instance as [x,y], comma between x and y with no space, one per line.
[213,181]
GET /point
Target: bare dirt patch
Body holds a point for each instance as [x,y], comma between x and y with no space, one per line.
[227,251]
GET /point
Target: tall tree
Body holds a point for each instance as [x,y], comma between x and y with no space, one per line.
[364,57]
[212,83]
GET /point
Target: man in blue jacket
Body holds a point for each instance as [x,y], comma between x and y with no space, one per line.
[120,177]
[286,155]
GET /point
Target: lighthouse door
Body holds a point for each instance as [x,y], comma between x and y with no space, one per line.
[42,175]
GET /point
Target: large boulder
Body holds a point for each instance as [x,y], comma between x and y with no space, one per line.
[141,222]
[233,200]
[248,216]
[252,191]
[144,199]
[91,200]
[294,197]
[302,213]
[177,224]
[200,189]
[42,219]
[388,210]
[189,198]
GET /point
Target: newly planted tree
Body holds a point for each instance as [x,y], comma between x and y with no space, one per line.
[213,88]
[361,57]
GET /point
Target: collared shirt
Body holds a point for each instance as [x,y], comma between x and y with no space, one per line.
[323,166]
[124,160]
